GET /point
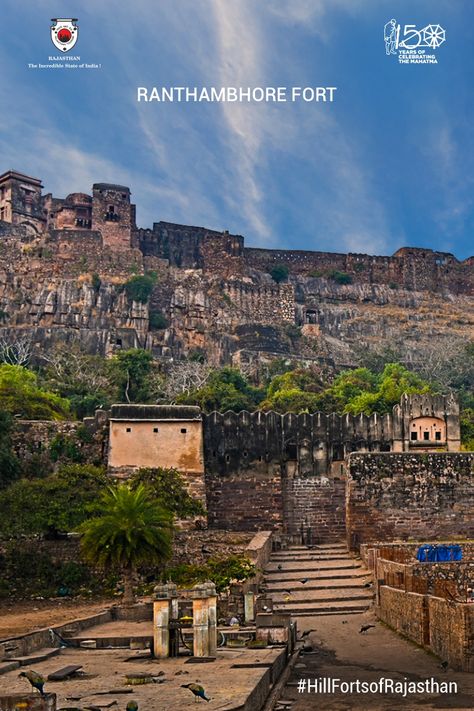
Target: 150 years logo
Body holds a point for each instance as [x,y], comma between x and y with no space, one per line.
[410,44]
[64,33]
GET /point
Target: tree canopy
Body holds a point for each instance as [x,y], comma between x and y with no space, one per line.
[21,396]
[225,389]
[132,529]
[9,464]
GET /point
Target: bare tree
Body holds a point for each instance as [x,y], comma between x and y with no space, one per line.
[70,364]
[15,350]
[183,377]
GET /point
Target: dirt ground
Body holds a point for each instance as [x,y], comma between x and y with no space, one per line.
[27,616]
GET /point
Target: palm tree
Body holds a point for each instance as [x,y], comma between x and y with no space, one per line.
[132,529]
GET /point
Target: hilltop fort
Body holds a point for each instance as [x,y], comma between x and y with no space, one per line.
[65,262]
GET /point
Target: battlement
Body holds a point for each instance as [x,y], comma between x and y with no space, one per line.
[110,212]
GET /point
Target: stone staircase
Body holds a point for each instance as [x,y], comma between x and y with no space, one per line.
[337,583]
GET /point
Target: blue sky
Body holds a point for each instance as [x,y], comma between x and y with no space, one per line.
[388,164]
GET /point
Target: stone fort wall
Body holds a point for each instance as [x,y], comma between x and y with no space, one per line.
[409,496]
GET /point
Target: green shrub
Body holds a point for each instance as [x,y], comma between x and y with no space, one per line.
[221,571]
[63,447]
[340,277]
[157,321]
[169,487]
[140,287]
[279,273]
[96,282]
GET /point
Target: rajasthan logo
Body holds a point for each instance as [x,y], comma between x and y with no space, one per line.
[64,33]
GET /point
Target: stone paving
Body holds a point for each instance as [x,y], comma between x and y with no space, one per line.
[228,685]
[335,648]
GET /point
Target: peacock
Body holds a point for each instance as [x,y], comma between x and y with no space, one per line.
[197,690]
[132,706]
[35,679]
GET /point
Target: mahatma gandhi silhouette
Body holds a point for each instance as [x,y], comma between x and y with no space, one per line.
[390,36]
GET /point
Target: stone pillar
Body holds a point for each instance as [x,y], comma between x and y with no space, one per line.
[204,619]
[200,621]
[163,608]
[249,606]
[212,602]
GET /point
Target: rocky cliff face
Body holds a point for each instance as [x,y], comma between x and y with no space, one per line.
[219,298]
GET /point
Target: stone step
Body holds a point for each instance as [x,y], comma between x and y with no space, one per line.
[312,608]
[341,612]
[313,566]
[40,656]
[294,577]
[304,598]
[8,666]
[345,583]
[319,546]
[308,558]
[306,553]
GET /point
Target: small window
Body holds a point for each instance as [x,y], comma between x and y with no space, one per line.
[2,213]
[118,341]
[245,453]
[128,429]
[438,436]
[155,429]
[183,430]
[227,458]
[426,435]
[111,208]
[124,196]
[414,436]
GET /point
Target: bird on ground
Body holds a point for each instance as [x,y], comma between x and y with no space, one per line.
[197,690]
[204,549]
[444,665]
[365,628]
[132,706]
[304,580]
[35,679]
[306,633]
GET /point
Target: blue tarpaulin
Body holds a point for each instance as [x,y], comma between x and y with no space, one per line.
[439,554]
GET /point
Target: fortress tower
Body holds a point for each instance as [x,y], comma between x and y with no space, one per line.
[21,201]
[112,214]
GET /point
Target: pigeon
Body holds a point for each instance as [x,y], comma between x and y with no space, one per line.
[306,634]
[279,566]
[365,628]
[367,585]
[304,580]
[197,690]
[35,679]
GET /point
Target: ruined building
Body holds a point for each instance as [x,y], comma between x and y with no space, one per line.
[65,262]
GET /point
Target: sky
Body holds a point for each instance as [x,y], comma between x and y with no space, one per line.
[388,164]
